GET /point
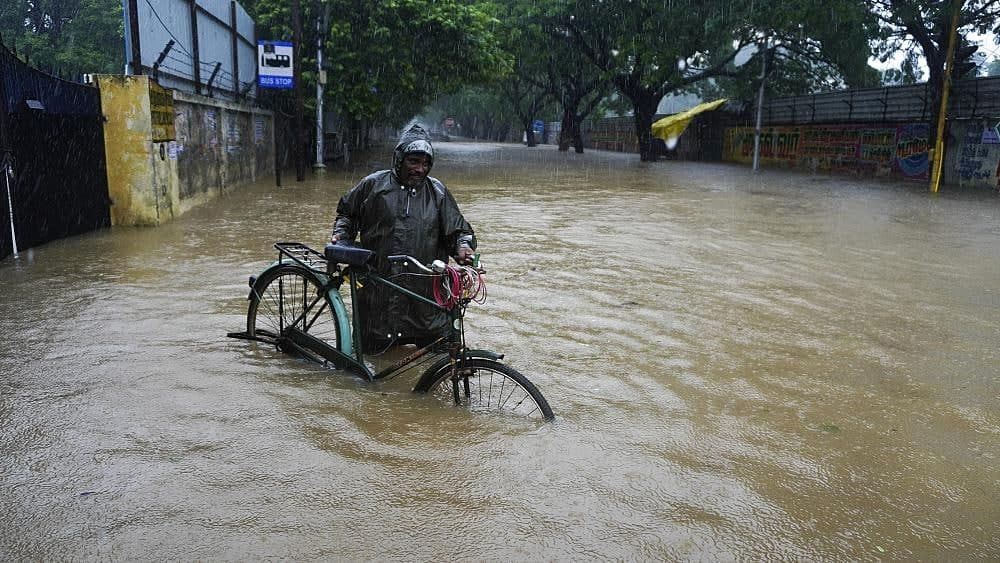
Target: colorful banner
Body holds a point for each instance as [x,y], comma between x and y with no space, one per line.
[863,149]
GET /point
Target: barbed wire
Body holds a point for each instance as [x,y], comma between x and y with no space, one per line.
[225,77]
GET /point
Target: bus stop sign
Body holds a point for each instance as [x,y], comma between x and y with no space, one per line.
[275,67]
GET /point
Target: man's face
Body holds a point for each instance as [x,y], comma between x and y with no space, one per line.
[415,169]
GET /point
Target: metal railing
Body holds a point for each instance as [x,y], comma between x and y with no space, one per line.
[970,99]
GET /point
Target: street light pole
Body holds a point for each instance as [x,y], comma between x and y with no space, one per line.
[760,106]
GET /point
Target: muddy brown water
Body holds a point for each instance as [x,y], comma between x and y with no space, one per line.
[772,366]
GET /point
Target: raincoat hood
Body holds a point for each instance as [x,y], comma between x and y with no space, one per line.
[413,140]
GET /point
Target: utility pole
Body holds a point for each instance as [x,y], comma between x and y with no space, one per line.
[135,53]
[321,26]
[938,162]
[297,143]
[195,48]
[760,106]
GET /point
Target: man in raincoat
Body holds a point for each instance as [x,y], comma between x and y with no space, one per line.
[403,211]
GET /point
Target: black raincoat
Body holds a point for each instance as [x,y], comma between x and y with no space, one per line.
[423,222]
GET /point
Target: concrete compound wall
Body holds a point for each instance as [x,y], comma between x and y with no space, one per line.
[219,146]
[167,154]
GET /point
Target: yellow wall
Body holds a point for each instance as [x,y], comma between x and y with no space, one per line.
[142,180]
[179,151]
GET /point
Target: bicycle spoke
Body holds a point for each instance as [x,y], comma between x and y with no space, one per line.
[490,386]
[291,297]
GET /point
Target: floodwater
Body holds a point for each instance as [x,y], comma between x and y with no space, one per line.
[772,366]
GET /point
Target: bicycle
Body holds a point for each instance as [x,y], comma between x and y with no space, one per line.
[296,305]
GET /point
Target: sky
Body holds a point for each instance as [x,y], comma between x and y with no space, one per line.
[987,47]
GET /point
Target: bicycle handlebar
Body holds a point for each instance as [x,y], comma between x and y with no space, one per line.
[436,267]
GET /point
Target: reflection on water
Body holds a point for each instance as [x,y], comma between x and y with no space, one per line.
[743,366]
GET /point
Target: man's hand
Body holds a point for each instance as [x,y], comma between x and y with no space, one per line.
[464,255]
[333,239]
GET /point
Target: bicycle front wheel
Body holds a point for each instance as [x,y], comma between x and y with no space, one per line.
[487,386]
[291,296]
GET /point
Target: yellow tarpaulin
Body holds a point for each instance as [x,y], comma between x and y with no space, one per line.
[671,127]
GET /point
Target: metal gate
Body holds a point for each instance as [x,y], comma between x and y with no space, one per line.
[54,180]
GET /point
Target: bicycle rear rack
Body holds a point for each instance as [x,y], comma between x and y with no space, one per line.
[302,255]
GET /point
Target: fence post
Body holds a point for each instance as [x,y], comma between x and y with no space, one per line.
[195,56]
[133,26]
[234,32]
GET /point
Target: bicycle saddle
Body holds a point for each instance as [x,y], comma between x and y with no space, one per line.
[346,252]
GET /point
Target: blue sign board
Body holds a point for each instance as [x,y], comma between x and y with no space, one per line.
[275,64]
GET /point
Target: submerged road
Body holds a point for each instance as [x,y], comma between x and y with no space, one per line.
[771,366]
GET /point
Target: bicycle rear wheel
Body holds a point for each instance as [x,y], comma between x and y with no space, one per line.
[487,386]
[290,296]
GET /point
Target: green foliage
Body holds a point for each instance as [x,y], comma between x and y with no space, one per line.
[68,36]
[386,60]
[813,48]
[481,112]
[909,72]
[920,28]
[652,48]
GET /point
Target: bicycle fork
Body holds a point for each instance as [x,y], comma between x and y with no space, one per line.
[457,352]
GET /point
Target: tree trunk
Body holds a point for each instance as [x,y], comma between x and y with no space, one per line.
[644,105]
[566,130]
[577,135]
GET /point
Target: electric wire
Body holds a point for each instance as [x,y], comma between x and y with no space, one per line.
[457,285]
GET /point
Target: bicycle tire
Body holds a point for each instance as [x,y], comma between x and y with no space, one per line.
[487,386]
[288,295]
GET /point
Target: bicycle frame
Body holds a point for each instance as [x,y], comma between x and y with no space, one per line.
[471,377]
[351,354]
[455,337]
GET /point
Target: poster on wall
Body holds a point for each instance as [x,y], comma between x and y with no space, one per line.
[991,134]
[161,113]
[275,65]
[978,162]
[912,150]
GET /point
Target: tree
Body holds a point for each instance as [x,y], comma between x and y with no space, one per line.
[482,112]
[525,89]
[639,46]
[387,60]
[578,86]
[68,37]
[909,71]
[579,94]
[922,26]
[650,49]
[527,100]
